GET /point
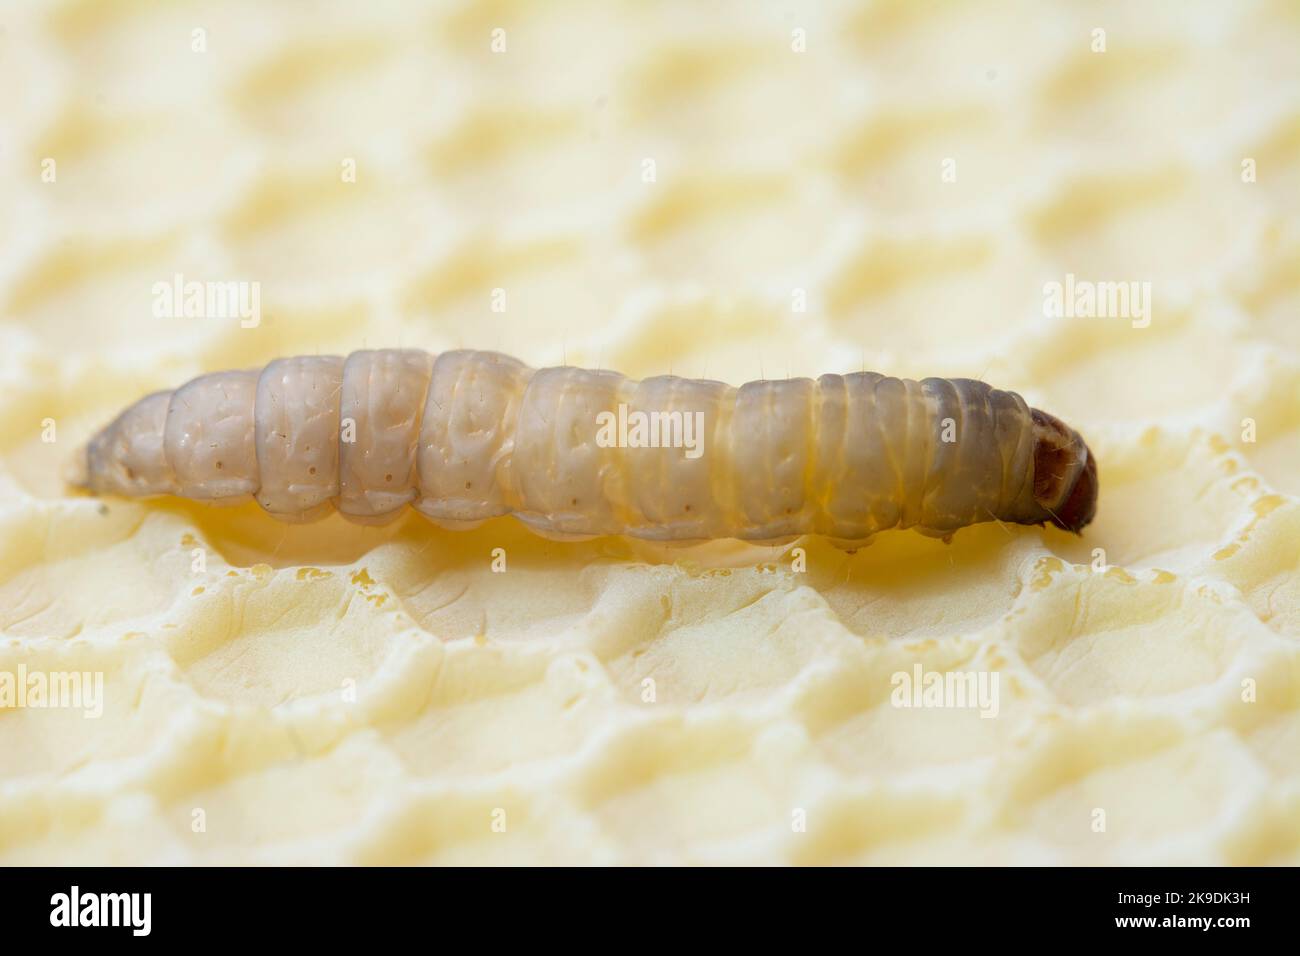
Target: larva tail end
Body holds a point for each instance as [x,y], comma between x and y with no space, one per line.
[1065,474]
[1081,506]
[76,471]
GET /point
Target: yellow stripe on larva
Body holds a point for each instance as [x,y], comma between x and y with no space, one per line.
[468,436]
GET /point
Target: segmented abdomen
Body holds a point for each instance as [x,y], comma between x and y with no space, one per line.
[472,435]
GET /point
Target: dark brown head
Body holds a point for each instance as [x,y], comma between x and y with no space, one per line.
[1065,473]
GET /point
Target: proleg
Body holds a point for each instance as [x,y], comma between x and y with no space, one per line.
[466,436]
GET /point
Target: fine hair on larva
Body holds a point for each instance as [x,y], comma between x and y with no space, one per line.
[465,436]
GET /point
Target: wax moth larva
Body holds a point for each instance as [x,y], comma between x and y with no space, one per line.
[466,436]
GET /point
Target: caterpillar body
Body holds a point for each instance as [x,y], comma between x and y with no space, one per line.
[466,436]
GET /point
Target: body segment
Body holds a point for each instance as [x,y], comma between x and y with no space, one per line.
[296,423]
